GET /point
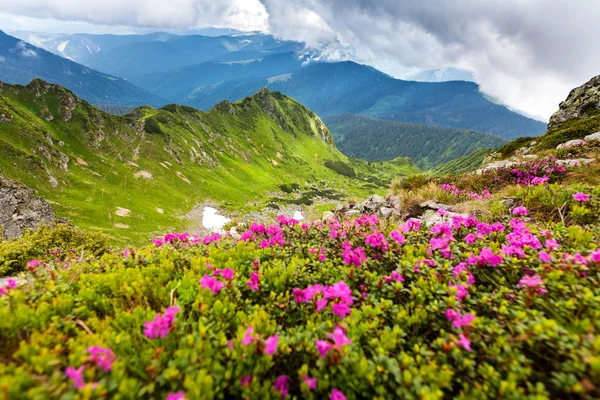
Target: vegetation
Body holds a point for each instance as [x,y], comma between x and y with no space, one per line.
[357,308]
[62,243]
[463,164]
[133,176]
[379,140]
[346,87]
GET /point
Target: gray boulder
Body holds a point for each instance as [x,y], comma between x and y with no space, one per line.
[570,143]
[20,209]
[594,137]
[580,103]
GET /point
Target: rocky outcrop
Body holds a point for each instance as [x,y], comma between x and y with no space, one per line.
[580,102]
[20,208]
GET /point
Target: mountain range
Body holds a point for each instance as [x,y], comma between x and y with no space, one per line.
[20,62]
[136,174]
[201,71]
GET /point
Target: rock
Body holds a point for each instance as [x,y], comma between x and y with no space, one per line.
[432,205]
[20,209]
[431,217]
[570,143]
[386,212]
[5,119]
[575,163]
[352,213]
[594,137]
[530,157]
[508,203]
[582,101]
[373,203]
[496,165]
[327,215]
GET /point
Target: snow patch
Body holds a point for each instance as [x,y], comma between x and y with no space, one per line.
[298,216]
[212,220]
[62,46]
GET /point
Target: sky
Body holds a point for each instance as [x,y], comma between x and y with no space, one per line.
[527,54]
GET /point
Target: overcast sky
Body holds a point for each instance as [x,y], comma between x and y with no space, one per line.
[527,53]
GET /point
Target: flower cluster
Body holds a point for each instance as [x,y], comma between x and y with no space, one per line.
[354,308]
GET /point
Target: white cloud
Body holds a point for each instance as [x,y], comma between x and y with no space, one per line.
[2,59]
[526,53]
[24,50]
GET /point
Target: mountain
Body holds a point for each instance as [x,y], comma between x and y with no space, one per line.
[378,140]
[443,75]
[133,175]
[21,62]
[172,52]
[184,84]
[347,87]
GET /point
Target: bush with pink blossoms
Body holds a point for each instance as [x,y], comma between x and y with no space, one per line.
[343,309]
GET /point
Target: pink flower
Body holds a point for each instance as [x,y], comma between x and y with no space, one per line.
[412,224]
[544,257]
[595,256]
[211,283]
[581,197]
[161,325]
[271,344]
[281,385]
[520,211]
[464,342]
[458,320]
[461,292]
[310,382]
[176,396]
[245,381]
[470,238]
[336,395]
[321,304]
[531,281]
[248,336]
[228,274]
[102,357]
[323,347]
[339,290]
[341,309]
[397,237]
[76,375]
[487,256]
[551,244]
[254,282]
[339,338]
[353,257]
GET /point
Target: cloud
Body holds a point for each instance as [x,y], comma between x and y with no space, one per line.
[24,49]
[526,53]
[2,59]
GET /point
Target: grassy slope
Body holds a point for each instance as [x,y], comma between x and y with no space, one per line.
[463,164]
[428,146]
[234,154]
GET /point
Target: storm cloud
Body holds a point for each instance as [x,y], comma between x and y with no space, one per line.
[527,54]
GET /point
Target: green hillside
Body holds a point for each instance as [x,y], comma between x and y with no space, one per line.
[158,164]
[468,163]
[377,140]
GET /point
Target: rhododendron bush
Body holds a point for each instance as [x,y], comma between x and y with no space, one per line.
[347,309]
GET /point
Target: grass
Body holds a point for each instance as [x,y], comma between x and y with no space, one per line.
[232,155]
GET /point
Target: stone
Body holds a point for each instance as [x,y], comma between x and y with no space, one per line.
[496,165]
[594,137]
[508,203]
[386,212]
[431,217]
[582,101]
[352,213]
[328,215]
[373,203]
[432,205]
[570,143]
[21,209]
[576,163]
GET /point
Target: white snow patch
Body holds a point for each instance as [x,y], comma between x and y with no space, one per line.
[298,216]
[62,46]
[212,220]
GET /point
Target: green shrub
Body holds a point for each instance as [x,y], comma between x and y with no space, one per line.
[58,243]
[423,313]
